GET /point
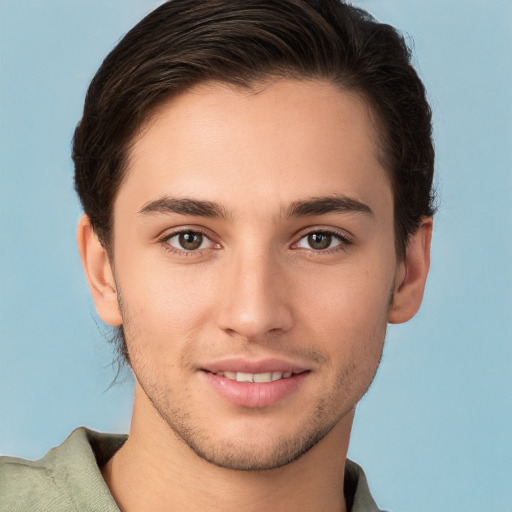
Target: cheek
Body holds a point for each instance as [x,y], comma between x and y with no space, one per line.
[351,308]
[163,305]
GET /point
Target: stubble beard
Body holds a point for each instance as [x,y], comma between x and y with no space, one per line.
[242,454]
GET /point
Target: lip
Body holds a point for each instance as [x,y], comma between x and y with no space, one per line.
[254,395]
[250,366]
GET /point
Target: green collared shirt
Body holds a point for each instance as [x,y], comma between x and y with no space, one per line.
[68,478]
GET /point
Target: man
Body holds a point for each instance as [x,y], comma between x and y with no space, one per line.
[256,182]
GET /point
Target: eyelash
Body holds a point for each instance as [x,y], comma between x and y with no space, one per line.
[345,242]
[164,241]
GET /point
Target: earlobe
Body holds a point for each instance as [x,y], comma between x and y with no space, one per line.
[412,275]
[98,272]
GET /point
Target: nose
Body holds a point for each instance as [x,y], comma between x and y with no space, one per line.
[255,298]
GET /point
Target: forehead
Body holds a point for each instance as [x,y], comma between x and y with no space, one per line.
[273,143]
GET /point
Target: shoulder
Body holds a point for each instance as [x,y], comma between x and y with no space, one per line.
[357,492]
[66,478]
[32,485]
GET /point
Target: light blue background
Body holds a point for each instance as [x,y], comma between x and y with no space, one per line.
[435,431]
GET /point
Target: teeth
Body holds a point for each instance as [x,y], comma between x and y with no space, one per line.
[255,377]
[244,377]
[262,377]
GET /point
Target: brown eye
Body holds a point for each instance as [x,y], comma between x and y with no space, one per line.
[322,241]
[319,241]
[190,240]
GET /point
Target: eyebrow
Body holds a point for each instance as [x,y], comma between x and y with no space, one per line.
[305,208]
[185,206]
[327,204]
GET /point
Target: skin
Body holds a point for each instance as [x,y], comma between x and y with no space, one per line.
[259,286]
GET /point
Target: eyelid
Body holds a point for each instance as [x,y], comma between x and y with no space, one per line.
[329,230]
[163,239]
[343,236]
[186,228]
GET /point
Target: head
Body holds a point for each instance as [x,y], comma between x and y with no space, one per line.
[320,86]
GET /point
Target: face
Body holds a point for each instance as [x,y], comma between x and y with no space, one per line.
[254,262]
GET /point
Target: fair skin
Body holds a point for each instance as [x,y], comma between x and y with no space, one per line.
[254,234]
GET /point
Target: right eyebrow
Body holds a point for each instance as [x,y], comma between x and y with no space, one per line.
[185,206]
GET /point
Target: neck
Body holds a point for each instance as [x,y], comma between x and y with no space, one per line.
[155,470]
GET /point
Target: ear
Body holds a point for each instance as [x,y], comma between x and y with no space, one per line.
[412,274]
[98,272]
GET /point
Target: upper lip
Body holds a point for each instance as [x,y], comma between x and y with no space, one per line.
[253,366]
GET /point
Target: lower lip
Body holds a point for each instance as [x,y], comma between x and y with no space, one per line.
[255,394]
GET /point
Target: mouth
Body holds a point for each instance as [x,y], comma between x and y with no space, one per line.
[259,378]
[255,384]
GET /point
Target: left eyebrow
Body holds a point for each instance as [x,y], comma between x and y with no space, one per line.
[327,204]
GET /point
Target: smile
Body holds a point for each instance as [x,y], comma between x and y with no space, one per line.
[255,377]
[255,390]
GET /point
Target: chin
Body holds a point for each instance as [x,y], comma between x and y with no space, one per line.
[256,448]
[246,456]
